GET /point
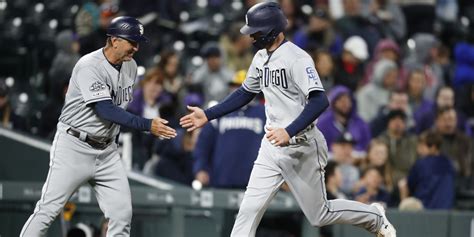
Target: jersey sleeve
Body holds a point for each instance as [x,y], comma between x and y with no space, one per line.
[252,80]
[306,77]
[93,87]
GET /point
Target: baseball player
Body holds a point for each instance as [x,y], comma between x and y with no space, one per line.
[84,147]
[292,150]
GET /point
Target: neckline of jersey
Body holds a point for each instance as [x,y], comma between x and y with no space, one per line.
[270,53]
[116,66]
[282,42]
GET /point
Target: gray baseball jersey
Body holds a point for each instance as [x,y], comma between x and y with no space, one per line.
[286,77]
[94,79]
[74,162]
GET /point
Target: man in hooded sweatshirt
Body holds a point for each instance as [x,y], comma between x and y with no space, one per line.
[342,117]
[375,95]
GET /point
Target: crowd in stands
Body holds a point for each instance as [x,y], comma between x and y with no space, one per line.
[399,75]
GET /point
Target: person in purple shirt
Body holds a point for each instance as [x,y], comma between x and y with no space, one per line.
[342,117]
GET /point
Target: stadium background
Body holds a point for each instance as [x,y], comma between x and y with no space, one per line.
[41,40]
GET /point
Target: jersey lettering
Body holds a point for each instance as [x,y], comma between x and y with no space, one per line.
[275,77]
[122,95]
[230,123]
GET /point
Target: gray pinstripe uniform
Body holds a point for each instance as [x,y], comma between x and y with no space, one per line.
[73,161]
[286,77]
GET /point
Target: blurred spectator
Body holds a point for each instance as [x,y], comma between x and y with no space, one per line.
[443,63]
[219,160]
[372,189]
[375,95]
[342,154]
[9,119]
[147,102]
[432,177]
[66,57]
[390,18]
[401,144]
[51,112]
[237,48]
[444,98]
[96,38]
[398,101]
[418,103]
[342,118]
[354,23]
[385,49]
[318,34]
[333,181]
[213,76]
[292,12]
[87,19]
[350,64]
[175,160]
[423,55]
[325,67]
[169,66]
[377,156]
[419,14]
[455,144]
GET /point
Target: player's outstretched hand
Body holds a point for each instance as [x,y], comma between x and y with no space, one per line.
[159,129]
[196,119]
[277,136]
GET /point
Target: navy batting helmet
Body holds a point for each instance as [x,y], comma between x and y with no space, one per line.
[128,28]
[267,18]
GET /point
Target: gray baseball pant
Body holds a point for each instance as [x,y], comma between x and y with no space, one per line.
[301,166]
[73,163]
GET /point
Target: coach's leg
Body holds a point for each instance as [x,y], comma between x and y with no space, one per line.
[264,182]
[68,169]
[305,177]
[113,193]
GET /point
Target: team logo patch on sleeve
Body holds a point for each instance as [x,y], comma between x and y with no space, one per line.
[312,75]
[97,86]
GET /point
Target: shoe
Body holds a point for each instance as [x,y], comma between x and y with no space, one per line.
[387,229]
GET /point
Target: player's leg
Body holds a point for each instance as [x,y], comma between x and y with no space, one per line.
[113,192]
[68,169]
[264,182]
[305,177]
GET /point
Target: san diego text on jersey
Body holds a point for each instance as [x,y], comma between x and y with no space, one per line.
[275,77]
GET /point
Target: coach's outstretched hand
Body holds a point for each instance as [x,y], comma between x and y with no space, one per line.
[196,119]
[159,129]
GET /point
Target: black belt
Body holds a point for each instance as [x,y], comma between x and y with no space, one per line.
[97,143]
[301,136]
